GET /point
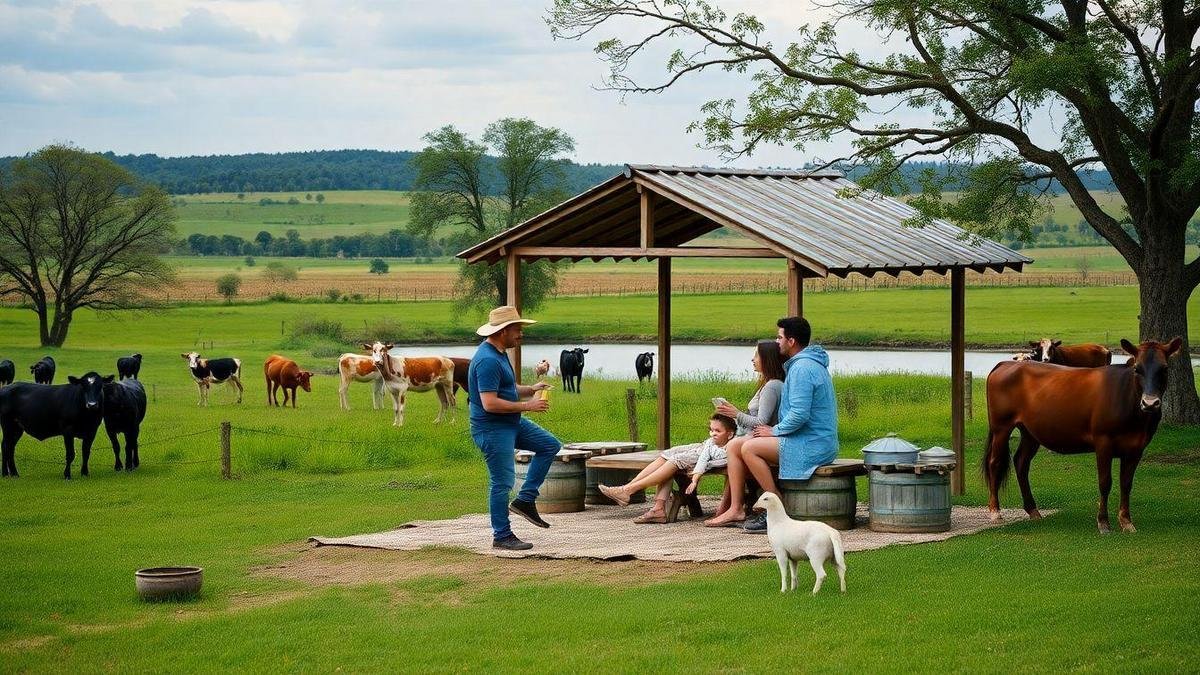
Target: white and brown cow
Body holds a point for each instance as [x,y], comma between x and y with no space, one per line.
[207,372]
[359,368]
[423,373]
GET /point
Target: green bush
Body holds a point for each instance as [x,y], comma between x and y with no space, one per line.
[333,294]
[228,285]
[280,296]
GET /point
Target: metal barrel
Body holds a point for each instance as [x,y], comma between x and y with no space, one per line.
[910,502]
[562,491]
[829,499]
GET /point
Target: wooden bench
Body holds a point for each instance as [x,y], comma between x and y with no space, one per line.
[636,461]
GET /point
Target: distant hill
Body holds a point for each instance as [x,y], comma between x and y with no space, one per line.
[370,170]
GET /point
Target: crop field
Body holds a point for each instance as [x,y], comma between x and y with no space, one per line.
[1052,593]
[343,212]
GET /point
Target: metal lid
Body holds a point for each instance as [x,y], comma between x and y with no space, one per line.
[936,454]
[890,443]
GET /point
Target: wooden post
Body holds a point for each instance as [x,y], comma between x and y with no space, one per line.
[958,292]
[795,289]
[631,410]
[514,299]
[226,432]
[969,396]
[647,217]
[664,353]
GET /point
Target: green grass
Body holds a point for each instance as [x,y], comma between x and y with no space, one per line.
[344,212]
[1045,596]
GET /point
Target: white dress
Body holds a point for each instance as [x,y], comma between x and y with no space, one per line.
[696,458]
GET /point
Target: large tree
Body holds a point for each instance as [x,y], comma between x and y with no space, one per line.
[458,184]
[77,230]
[1018,91]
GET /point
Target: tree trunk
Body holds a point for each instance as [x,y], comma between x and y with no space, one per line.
[58,330]
[1164,316]
[43,323]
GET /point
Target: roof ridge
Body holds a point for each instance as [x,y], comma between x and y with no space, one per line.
[730,171]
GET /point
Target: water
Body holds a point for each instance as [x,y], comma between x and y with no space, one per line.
[615,361]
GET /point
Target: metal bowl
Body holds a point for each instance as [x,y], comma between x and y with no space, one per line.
[890,449]
[168,583]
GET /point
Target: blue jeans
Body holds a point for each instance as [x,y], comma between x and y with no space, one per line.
[498,446]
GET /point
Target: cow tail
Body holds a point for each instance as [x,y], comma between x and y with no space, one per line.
[1003,461]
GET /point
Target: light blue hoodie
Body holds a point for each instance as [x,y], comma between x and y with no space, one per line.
[807,428]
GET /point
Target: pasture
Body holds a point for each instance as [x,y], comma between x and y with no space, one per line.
[343,212]
[1052,593]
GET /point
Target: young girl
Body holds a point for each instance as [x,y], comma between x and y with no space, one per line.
[694,457]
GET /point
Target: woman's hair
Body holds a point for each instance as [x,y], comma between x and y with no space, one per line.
[772,362]
[725,421]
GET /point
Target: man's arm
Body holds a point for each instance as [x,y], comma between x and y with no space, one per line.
[494,404]
[799,396]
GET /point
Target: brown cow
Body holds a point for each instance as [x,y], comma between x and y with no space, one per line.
[404,374]
[461,366]
[1112,411]
[359,368]
[283,373]
[1087,355]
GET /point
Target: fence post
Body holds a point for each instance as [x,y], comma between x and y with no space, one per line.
[968,403]
[226,432]
[631,410]
[281,322]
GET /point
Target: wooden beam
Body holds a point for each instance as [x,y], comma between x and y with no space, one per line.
[958,293]
[795,289]
[647,219]
[636,252]
[664,353]
[514,299]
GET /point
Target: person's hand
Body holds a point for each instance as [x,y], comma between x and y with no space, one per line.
[763,431]
[537,405]
[538,386]
[692,486]
[728,410]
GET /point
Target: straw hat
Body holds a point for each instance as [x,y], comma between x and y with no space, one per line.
[499,318]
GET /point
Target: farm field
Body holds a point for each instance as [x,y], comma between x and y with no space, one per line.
[270,603]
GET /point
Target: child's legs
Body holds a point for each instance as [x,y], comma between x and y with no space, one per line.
[663,473]
[650,468]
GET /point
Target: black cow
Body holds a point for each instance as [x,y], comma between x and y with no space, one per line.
[207,372]
[129,366]
[644,365]
[570,366]
[69,410]
[8,372]
[124,410]
[43,371]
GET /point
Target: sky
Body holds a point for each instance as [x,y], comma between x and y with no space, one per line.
[179,77]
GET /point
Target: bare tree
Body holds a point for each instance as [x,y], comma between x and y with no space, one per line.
[77,230]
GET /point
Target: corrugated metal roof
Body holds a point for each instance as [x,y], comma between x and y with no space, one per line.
[803,214]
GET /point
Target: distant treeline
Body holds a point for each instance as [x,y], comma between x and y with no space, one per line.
[1092,180]
[393,244]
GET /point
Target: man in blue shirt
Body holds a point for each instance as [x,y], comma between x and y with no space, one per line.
[496,402]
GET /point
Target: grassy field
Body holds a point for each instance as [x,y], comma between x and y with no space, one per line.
[1051,595]
[344,212]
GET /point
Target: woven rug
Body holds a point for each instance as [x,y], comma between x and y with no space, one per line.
[608,533]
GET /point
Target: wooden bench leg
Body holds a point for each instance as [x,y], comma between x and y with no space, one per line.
[682,480]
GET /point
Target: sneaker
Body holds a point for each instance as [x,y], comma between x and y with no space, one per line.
[528,511]
[511,543]
[756,524]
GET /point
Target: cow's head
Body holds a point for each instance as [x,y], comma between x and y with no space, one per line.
[1042,350]
[378,350]
[1022,356]
[193,359]
[93,388]
[305,378]
[137,357]
[1149,363]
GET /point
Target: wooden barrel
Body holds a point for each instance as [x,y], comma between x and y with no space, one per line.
[562,491]
[611,477]
[829,499]
[910,502]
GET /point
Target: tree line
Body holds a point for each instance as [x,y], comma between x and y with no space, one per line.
[392,244]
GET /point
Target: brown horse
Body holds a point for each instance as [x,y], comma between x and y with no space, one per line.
[1112,411]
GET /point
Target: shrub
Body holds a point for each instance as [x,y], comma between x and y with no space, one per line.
[277,271]
[379,266]
[333,294]
[279,296]
[293,201]
[228,285]
[250,261]
[329,329]
[356,297]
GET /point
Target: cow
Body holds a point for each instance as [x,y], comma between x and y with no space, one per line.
[8,372]
[404,374]
[1111,411]
[1022,356]
[129,366]
[1087,355]
[644,365]
[283,373]
[359,368]
[570,367]
[208,372]
[124,410]
[71,410]
[461,366]
[541,369]
[43,371]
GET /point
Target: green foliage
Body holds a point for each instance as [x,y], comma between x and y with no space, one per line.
[379,266]
[228,285]
[250,261]
[320,198]
[333,294]
[277,272]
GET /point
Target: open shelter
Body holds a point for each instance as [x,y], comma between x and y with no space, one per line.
[819,222]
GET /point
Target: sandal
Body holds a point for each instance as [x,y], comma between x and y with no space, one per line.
[645,518]
[727,523]
[614,494]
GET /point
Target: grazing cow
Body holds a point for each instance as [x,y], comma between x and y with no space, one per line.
[124,410]
[570,367]
[404,374]
[43,371]
[129,366]
[541,369]
[1112,411]
[359,368]
[70,410]
[1087,355]
[1022,356]
[208,372]
[644,365]
[283,373]
[8,372]
[461,366]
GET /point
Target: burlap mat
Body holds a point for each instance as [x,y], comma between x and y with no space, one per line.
[608,533]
